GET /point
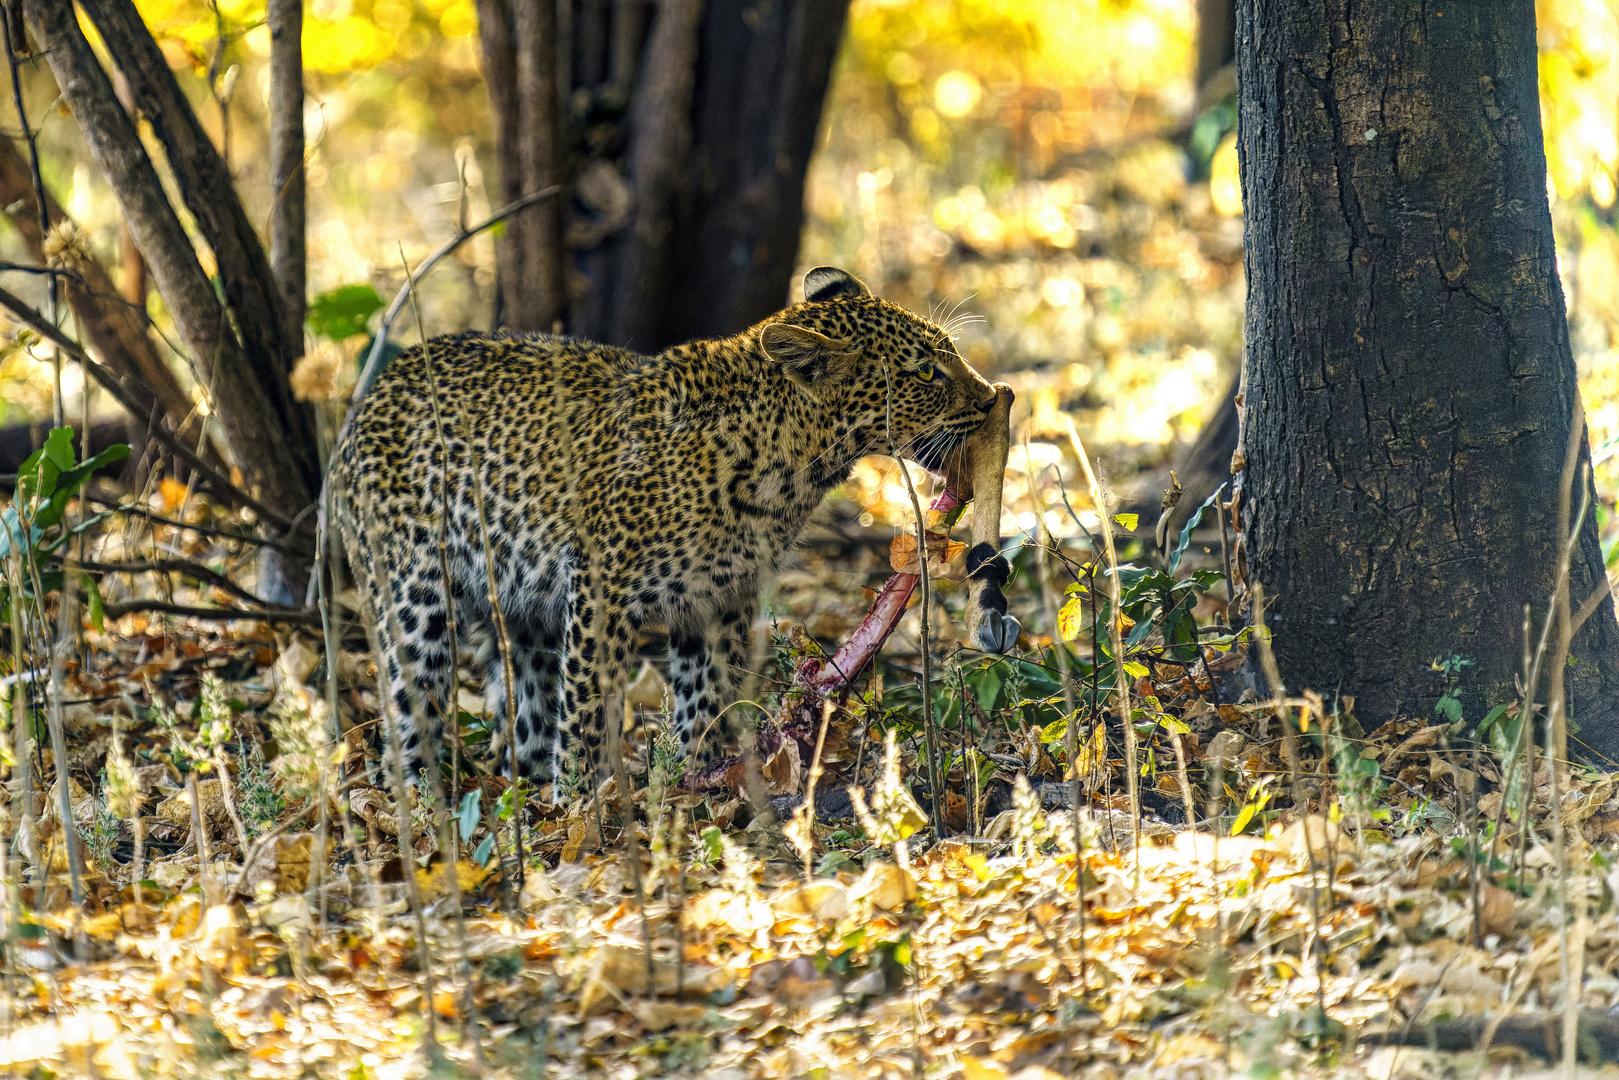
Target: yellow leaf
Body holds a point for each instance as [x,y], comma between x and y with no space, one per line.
[1244,817]
[435,882]
[1071,619]
[1094,752]
[983,1068]
[1127,522]
[902,552]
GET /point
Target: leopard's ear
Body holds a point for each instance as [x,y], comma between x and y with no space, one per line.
[830,283]
[804,355]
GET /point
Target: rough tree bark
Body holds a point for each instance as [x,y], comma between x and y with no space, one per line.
[1409,383]
[692,132]
[266,447]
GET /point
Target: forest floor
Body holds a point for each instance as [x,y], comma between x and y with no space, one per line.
[1350,904]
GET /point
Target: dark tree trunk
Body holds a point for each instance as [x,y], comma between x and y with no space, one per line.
[287,248]
[691,129]
[1409,384]
[520,52]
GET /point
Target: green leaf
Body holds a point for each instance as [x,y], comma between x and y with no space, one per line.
[1174,726]
[470,814]
[831,862]
[1186,530]
[486,849]
[1491,717]
[1136,670]
[1127,522]
[98,613]
[344,312]
[59,448]
[711,843]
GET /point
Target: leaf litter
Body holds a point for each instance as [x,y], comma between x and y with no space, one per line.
[1357,916]
[1195,955]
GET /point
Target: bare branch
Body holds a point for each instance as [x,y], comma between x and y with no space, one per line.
[220,485]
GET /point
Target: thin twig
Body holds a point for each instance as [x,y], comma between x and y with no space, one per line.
[444,809]
[935,778]
[300,616]
[113,384]
[373,360]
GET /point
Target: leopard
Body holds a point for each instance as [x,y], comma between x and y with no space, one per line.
[556,496]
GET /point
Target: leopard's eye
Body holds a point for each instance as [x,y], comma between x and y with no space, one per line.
[926,371]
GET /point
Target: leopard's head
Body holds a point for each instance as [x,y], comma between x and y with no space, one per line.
[883,379]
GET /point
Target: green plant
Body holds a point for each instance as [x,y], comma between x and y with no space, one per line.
[1449,706]
[101,834]
[34,522]
[1149,600]
[262,803]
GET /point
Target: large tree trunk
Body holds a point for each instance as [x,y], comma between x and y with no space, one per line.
[1409,384]
[694,130]
[269,342]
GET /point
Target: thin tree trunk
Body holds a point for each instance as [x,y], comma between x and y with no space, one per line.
[259,438]
[1409,383]
[287,252]
[209,192]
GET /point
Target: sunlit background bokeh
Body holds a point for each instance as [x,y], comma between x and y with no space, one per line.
[1044,172]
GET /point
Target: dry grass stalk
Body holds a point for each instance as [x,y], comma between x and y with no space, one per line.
[199,836]
[1557,729]
[393,756]
[66,610]
[1281,705]
[1121,683]
[444,809]
[502,639]
[1071,733]
[936,776]
[21,725]
[801,830]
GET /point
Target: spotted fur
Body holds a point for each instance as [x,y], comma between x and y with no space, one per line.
[621,489]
